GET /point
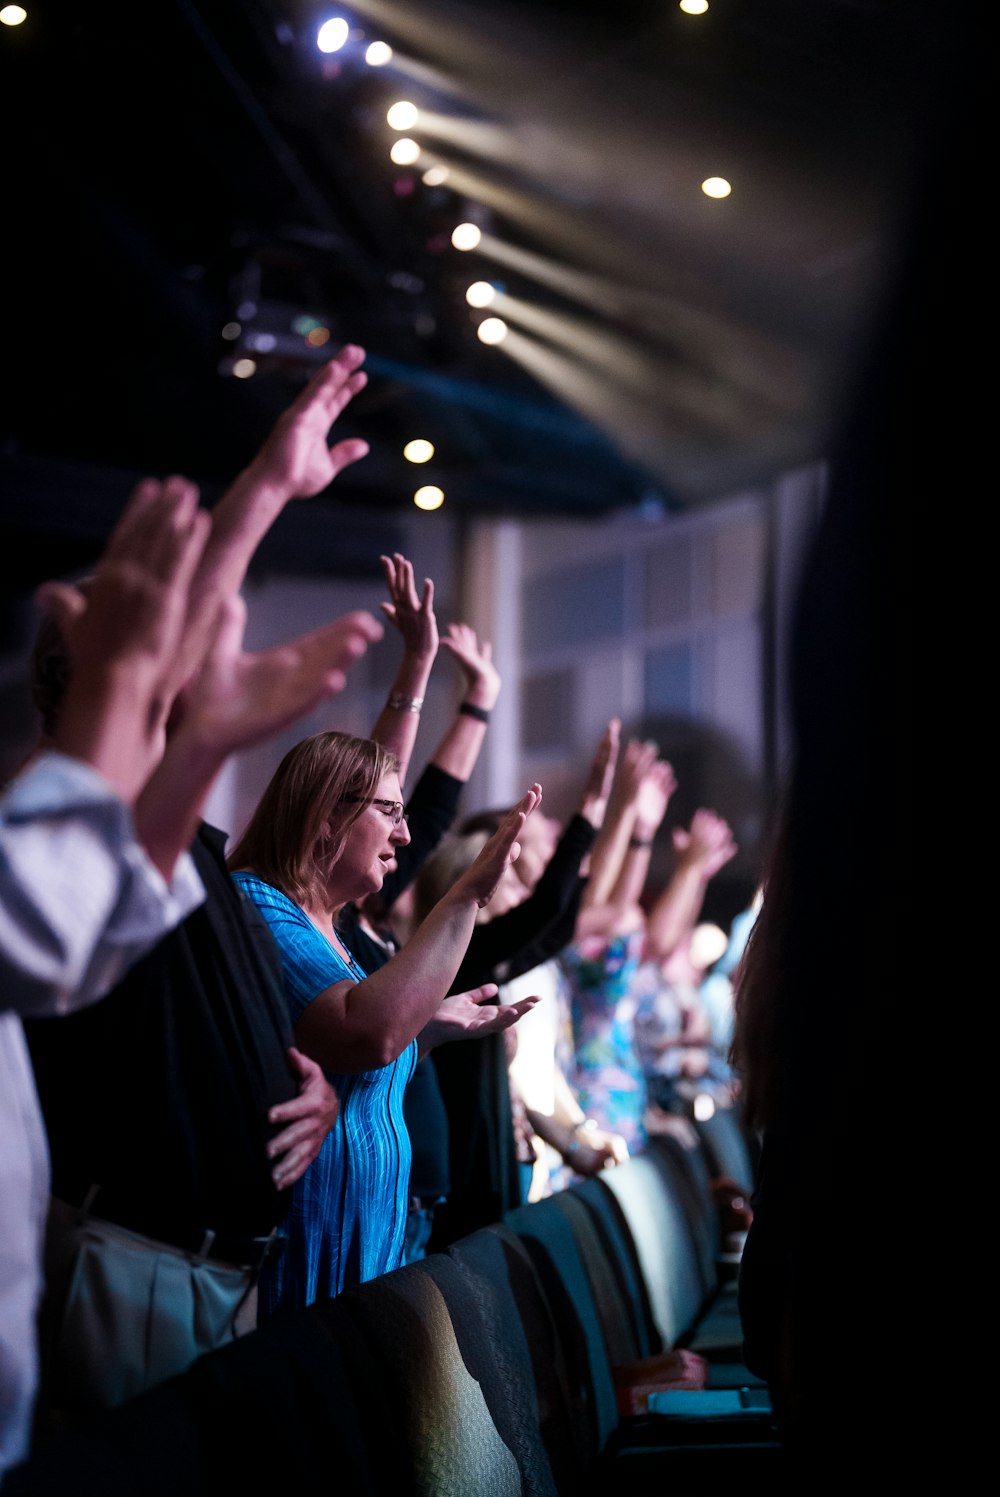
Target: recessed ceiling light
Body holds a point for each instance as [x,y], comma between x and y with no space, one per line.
[429,497]
[466,236]
[405,151]
[493,330]
[418,451]
[332,35]
[402,115]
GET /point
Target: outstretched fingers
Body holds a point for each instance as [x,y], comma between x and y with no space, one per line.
[483,994]
[515,1011]
[155,525]
[530,801]
[350,450]
[346,639]
[138,597]
[317,663]
[334,384]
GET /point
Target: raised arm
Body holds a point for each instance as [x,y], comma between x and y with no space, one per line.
[353,1026]
[543,923]
[600,776]
[412,613]
[634,763]
[701,850]
[122,636]
[458,750]
[432,806]
[237,700]
[296,461]
[81,904]
[658,785]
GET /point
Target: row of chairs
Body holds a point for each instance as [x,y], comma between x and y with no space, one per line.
[589,1342]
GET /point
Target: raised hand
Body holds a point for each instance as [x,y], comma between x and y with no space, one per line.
[122,633]
[309,1117]
[474,658]
[235,701]
[296,457]
[600,775]
[481,878]
[411,613]
[295,461]
[135,604]
[635,762]
[239,699]
[657,787]
[707,844]
[473,1015]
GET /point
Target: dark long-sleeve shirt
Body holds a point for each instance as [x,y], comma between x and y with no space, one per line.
[472,1074]
[537,928]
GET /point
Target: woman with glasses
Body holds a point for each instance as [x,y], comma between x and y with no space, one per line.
[325,834]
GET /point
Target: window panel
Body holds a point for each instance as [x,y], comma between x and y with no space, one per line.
[547,710]
[571,608]
[671,680]
[668,584]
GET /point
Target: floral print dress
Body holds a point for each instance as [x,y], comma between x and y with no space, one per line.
[603,1066]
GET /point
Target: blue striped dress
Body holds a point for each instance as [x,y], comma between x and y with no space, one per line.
[347,1215]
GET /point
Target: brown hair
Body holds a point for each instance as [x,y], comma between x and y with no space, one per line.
[326,779]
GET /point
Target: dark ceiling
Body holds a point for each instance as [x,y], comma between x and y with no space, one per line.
[168,161]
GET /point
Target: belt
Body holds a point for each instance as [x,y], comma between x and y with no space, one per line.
[200,1242]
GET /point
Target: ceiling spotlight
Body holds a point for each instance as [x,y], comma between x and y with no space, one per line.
[405,152]
[244,368]
[232,331]
[493,330]
[480,294]
[13,15]
[429,497]
[402,116]
[332,35]
[694,7]
[716,187]
[466,236]
[418,451]
[435,175]
[378,54]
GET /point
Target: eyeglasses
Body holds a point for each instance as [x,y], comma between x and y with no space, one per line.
[394,809]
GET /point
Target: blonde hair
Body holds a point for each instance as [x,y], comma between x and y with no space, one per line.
[299,828]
